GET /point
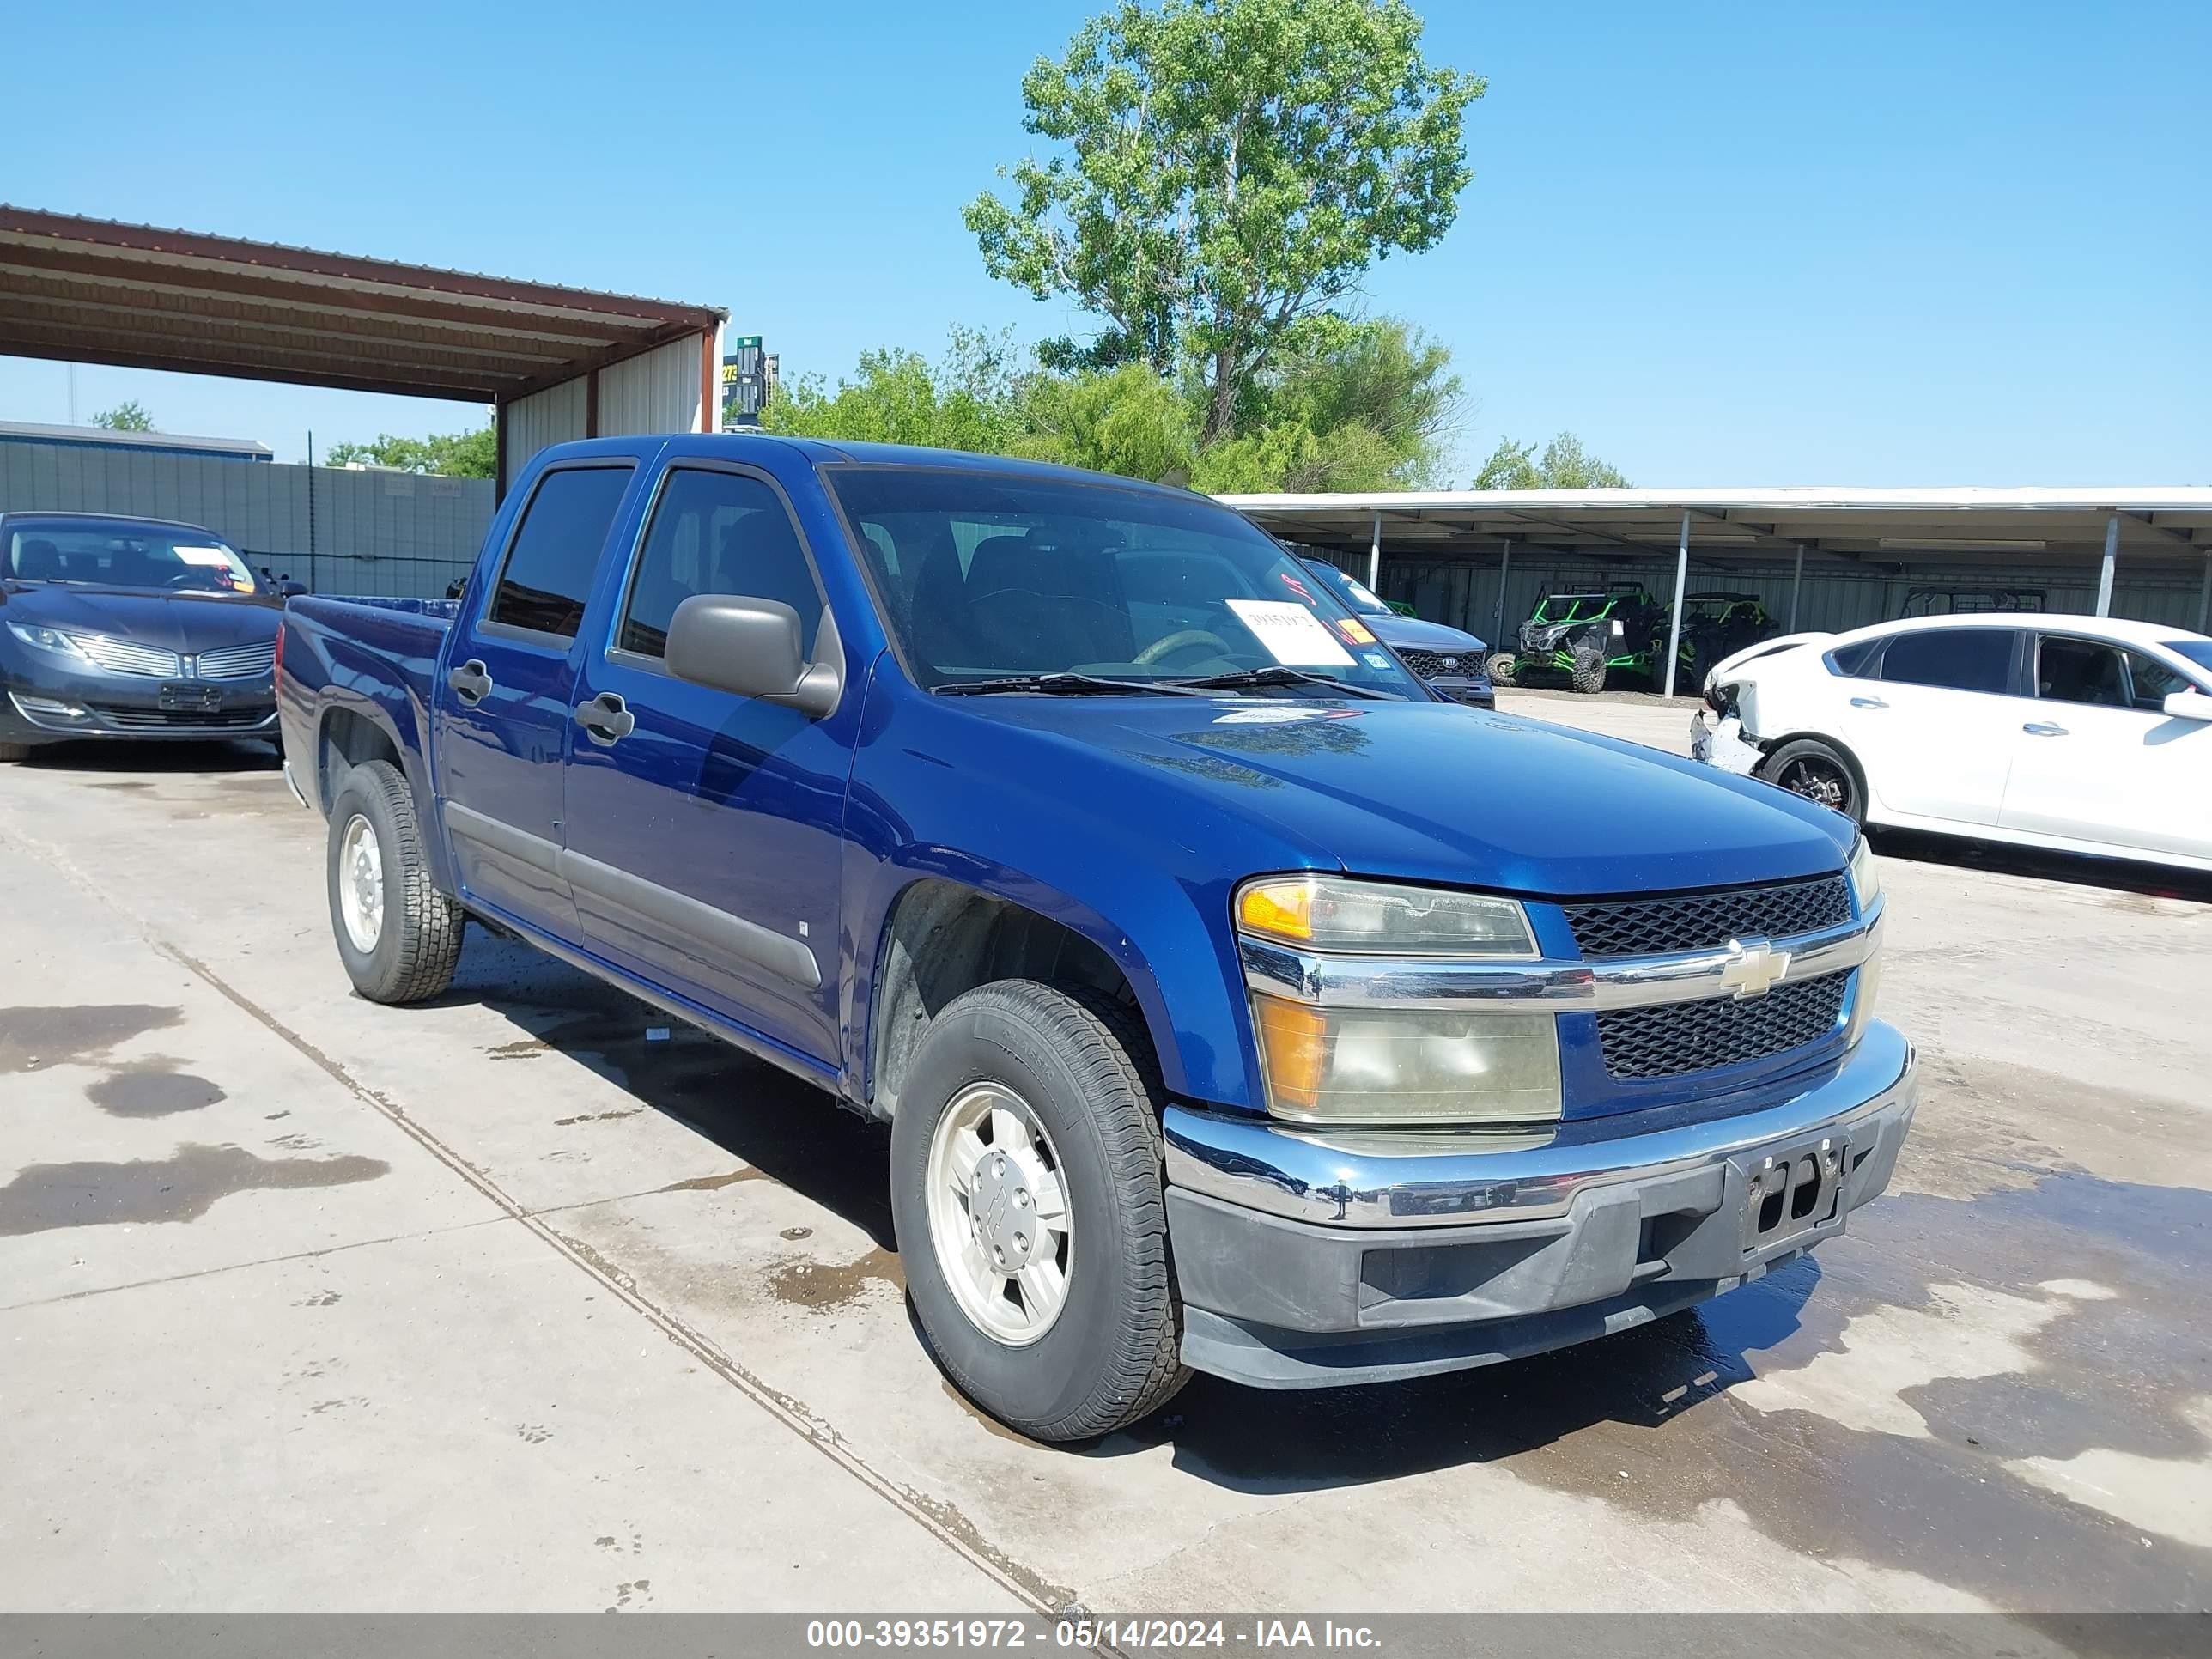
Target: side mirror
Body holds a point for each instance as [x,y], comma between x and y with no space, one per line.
[751,647]
[2189,705]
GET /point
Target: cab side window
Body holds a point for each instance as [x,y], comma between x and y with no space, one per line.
[1959,658]
[547,578]
[715,532]
[2080,670]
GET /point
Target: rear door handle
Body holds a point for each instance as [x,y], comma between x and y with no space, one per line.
[2044,729]
[1869,702]
[606,717]
[471,681]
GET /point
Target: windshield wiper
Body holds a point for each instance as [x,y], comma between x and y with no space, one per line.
[1063,685]
[1253,679]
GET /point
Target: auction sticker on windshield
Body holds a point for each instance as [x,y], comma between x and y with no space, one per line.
[1293,635]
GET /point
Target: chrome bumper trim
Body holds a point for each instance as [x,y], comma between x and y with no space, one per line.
[293,784]
[1427,1179]
[1553,986]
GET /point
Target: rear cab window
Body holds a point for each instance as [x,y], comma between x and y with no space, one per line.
[553,558]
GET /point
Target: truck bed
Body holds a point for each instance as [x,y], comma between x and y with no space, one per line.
[362,654]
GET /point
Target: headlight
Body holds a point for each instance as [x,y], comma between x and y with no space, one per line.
[47,639]
[1866,877]
[1402,1066]
[1406,1065]
[1373,918]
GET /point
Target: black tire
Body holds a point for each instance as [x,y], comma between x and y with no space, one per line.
[1501,665]
[1587,675]
[1808,766]
[1082,1064]
[10,752]
[420,938]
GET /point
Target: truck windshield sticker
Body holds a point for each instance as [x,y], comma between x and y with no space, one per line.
[1357,632]
[1292,635]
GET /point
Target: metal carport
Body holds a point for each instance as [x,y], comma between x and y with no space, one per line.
[2153,547]
[554,362]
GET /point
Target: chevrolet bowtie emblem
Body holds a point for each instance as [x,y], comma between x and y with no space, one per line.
[1753,967]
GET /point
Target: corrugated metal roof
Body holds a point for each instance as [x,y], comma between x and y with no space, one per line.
[109,438]
[98,290]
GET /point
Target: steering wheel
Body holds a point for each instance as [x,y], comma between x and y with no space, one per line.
[1183,639]
[184,578]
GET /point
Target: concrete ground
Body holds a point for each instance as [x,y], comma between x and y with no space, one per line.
[499,1304]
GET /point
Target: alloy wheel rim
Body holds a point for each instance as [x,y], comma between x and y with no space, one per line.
[360,884]
[999,1217]
[1819,782]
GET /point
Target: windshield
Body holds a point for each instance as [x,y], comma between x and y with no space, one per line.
[989,577]
[162,558]
[2196,651]
[1349,589]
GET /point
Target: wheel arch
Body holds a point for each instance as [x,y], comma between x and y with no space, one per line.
[942,937]
[1827,740]
[353,732]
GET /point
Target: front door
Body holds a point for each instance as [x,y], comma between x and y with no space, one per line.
[2099,759]
[704,828]
[504,700]
[1933,727]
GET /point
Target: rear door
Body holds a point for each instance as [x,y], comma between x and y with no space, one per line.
[504,701]
[2100,761]
[704,828]
[1934,721]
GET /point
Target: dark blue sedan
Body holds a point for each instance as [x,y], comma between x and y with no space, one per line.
[130,627]
[1453,664]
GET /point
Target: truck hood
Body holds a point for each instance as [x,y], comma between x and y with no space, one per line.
[188,623]
[1441,793]
[1412,634]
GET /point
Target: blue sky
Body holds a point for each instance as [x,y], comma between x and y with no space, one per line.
[1759,244]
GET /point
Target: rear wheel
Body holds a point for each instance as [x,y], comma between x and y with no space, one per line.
[1808,766]
[397,934]
[1501,665]
[1587,675]
[1026,1192]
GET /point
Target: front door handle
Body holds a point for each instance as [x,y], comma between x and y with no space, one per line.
[606,717]
[2044,729]
[1869,702]
[472,681]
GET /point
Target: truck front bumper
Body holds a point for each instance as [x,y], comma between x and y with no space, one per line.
[1311,1259]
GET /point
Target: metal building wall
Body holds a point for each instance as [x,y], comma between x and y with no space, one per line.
[1464,593]
[554,415]
[657,392]
[392,534]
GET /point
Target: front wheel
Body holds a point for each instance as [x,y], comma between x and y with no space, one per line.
[1027,1197]
[1808,766]
[1501,665]
[1587,675]
[397,934]
[13,751]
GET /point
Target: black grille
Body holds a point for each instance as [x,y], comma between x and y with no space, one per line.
[172,720]
[1696,1036]
[1698,921]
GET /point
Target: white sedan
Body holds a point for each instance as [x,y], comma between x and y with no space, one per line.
[2082,734]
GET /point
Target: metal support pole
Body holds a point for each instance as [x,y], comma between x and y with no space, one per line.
[1795,583]
[1375,558]
[2104,576]
[2204,596]
[1674,619]
[1504,568]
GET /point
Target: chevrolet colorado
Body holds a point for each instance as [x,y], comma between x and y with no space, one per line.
[1236,1003]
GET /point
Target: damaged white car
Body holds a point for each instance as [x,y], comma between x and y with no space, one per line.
[2079,734]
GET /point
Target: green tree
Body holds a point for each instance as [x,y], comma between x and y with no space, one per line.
[972,401]
[449,454]
[1232,169]
[127,416]
[1564,465]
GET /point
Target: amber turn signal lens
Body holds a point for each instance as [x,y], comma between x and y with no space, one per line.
[1293,1053]
[1283,908]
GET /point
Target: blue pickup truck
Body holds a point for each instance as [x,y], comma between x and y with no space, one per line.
[1237,1003]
